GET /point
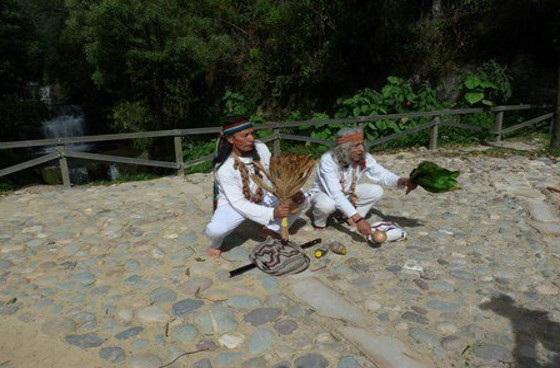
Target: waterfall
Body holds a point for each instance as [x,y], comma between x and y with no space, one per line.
[69,124]
[64,126]
[113,172]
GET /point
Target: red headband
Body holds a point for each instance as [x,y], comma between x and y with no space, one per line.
[357,137]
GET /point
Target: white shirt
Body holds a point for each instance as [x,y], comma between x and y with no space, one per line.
[230,187]
[328,174]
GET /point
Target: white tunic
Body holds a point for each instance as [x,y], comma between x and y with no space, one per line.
[328,174]
[230,187]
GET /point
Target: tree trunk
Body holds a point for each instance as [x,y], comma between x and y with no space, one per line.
[555,134]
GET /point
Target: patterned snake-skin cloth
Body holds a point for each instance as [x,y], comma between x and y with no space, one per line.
[278,259]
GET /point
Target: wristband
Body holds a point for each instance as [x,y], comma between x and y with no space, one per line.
[361,219]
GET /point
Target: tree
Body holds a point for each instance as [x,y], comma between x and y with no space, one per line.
[160,56]
[19,64]
[18,49]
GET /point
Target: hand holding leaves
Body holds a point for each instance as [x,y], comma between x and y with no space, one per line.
[434,178]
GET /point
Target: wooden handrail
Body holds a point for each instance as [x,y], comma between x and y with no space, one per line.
[267,125]
[63,152]
[30,163]
[121,159]
[527,123]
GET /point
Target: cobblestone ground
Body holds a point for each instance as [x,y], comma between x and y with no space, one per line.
[122,271]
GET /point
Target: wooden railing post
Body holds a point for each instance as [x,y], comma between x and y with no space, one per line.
[498,125]
[63,166]
[434,134]
[276,149]
[179,155]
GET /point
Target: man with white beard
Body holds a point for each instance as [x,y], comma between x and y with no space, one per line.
[336,183]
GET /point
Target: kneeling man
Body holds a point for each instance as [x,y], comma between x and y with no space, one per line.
[237,196]
[336,183]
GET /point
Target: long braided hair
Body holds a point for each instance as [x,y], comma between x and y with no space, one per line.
[238,165]
[224,150]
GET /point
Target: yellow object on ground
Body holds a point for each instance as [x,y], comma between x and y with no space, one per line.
[318,253]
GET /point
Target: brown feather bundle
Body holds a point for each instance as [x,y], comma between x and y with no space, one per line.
[287,174]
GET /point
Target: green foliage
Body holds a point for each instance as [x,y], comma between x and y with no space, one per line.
[135,117]
[285,47]
[6,187]
[20,119]
[194,148]
[433,178]
[397,96]
[18,49]
[19,64]
[235,104]
[159,64]
[501,79]
[163,53]
[326,131]
[299,148]
[450,135]
[477,89]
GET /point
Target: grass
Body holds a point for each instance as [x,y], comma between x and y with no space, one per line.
[6,188]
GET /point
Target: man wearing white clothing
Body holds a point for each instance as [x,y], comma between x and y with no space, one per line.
[237,197]
[336,182]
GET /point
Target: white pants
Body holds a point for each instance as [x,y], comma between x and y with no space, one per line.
[226,219]
[323,205]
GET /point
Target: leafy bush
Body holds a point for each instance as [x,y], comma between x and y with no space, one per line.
[397,96]
[478,89]
[6,187]
[236,104]
[325,132]
[20,119]
[490,85]
[462,136]
[197,147]
[501,77]
[136,117]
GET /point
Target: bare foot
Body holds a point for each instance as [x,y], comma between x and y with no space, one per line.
[214,252]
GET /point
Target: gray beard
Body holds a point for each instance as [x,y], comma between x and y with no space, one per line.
[343,154]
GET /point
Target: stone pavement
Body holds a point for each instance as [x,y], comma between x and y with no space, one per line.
[122,271]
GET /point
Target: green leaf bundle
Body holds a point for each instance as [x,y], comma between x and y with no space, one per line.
[433,178]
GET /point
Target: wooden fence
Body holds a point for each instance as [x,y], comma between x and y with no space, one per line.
[63,152]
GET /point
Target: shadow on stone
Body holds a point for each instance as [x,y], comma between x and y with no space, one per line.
[354,235]
[297,225]
[401,221]
[529,328]
[249,230]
